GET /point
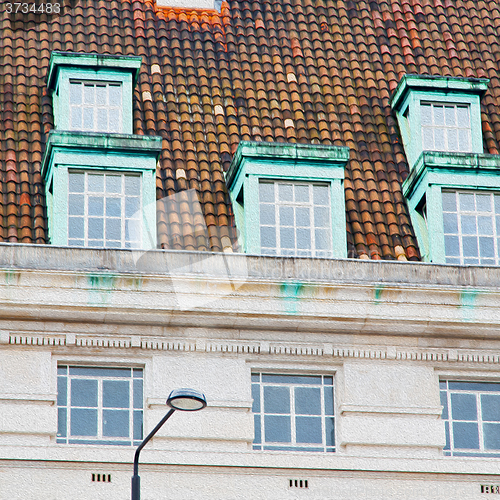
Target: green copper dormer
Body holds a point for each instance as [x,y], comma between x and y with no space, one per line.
[288,199]
[92,92]
[437,113]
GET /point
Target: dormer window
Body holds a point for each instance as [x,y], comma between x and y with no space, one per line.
[100,178]
[95,106]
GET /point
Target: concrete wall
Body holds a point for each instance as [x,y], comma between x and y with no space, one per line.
[387,331]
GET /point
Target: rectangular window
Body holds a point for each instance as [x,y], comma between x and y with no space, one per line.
[95,106]
[295,219]
[471,411]
[104,210]
[445,127]
[99,405]
[293,412]
[471,227]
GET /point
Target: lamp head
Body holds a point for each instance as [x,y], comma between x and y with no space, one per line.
[186,400]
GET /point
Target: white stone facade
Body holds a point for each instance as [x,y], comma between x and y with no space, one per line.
[387,331]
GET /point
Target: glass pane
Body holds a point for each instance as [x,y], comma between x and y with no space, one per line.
[89,94]
[486,247]
[62,417]
[75,227]
[256,398]
[83,422]
[450,223]
[464,142]
[449,202]
[138,425]
[426,114]
[114,121]
[484,225]
[330,431]
[83,392]
[99,372]
[304,239]
[255,377]
[115,95]
[474,386]
[451,245]
[115,394]
[322,239]
[427,139]
[291,379]
[76,183]
[438,115]
[276,400]
[466,202]
[285,192]
[301,193]
[320,195]
[449,115]
[115,423]
[490,407]
[287,237]
[286,216]
[102,120]
[268,237]
[463,407]
[329,401]
[465,435]
[444,403]
[463,116]
[96,205]
[113,229]
[469,246]
[453,140]
[96,228]
[88,119]
[100,95]
[303,217]
[439,142]
[308,400]
[447,431]
[132,206]
[483,202]
[138,396]
[256,425]
[113,184]
[76,204]
[96,183]
[132,185]
[76,118]
[308,430]
[328,380]
[75,93]
[491,436]
[62,391]
[277,429]
[113,207]
[266,192]
[321,216]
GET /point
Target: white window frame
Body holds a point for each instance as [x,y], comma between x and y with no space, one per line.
[115,111]
[450,450]
[264,445]
[279,203]
[493,215]
[132,223]
[134,410]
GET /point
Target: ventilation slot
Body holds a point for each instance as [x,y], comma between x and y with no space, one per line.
[299,483]
[101,478]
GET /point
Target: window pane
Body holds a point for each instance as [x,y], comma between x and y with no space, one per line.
[444,403]
[116,394]
[76,183]
[75,227]
[328,401]
[449,202]
[100,95]
[83,392]
[303,217]
[301,193]
[257,433]
[99,372]
[490,407]
[330,431]
[96,205]
[321,217]
[132,206]
[276,400]
[469,246]
[483,202]
[291,379]
[115,423]
[113,207]
[76,204]
[96,183]
[285,192]
[115,95]
[320,194]
[89,94]
[308,429]
[449,115]
[113,229]
[277,429]
[491,436]
[451,245]
[75,93]
[484,225]
[304,239]
[102,120]
[62,420]
[428,139]
[62,391]
[308,400]
[287,237]
[132,185]
[76,118]
[138,395]
[138,425]
[450,222]
[96,228]
[466,201]
[466,435]
[113,184]
[464,406]
[88,119]
[438,115]
[256,398]
[83,422]
[487,247]
[426,114]
[266,192]
[286,216]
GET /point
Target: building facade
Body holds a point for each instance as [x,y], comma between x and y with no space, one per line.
[290,206]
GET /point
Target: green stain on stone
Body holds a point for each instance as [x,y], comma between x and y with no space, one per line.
[378,293]
[291,292]
[468,304]
[101,286]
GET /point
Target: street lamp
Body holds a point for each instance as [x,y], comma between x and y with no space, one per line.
[179,399]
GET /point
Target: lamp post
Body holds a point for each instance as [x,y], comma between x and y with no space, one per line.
[179,399]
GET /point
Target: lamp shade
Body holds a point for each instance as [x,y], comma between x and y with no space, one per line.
[186,400]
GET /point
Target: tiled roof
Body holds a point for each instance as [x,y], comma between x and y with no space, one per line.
[312,71]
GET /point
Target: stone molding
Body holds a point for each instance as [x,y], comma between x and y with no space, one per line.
[252,347]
